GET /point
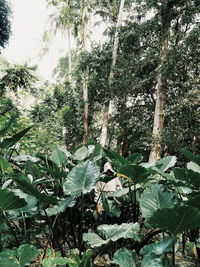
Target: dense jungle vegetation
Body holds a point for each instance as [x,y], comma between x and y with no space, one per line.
[132,100]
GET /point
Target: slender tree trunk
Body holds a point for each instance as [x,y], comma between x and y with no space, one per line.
[159,114]
[107,105]
[85,110]
[69,54]
[85,78]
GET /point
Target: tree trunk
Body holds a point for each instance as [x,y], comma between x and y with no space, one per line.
[85,110]
[159,113]
[107,106]
[69,54]
[85,78]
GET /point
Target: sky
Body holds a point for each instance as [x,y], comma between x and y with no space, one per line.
[30,18]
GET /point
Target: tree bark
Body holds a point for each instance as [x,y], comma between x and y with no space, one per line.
[85,110]
[85,78]
[159,114]
[69,54]
[107,106]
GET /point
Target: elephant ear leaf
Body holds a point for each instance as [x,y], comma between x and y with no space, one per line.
[135,158]
[159,247]
[59,158]
[135,173]
[8,142]
[156,197]
[29,189]
[176,219]
[191,156]
[81,179]
[125,258]
[165,163]
[26,253]
[112,232]
[9,201]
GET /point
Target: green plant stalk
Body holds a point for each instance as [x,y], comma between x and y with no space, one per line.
[132,204]
[173,254]
[183,243]
[54,236]
[72,231]
[80,236]
[17,242]
[24,225]
[135,204]
[145,241]
[101,251]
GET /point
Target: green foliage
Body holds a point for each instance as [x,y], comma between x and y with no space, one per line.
[9,201]
[156,197]
[17,76]
[176,219]
[20,257]
[159,247]
[8,142]
[59,158]
[28,188]
[112,233]
[26,253]
[53,259]
[53,200]
[125,258]
[81,179]
[137,174]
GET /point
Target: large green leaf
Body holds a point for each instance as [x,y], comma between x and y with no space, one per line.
[156,197]
[86,259]
[30,209]
[81,153]
[81,179]
[31,168]
[112,233]
[165,163]
[118,193]
[158,248]
[94,240]
[193,166]
[116,159]
[8,258]
[135,158]
[7,125]
[4,165]
[54,259]
[187,175]
[26,253]
[125,258]
[61,206]
[54,262]
[97,153]
[9,201]
[115,231]
[161,174]
[152,260]
[176,220]
[18,258]
[194,201]
[111,207]
[136,173]
[29,189]
[59,158]
[191,156]
[14,139]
